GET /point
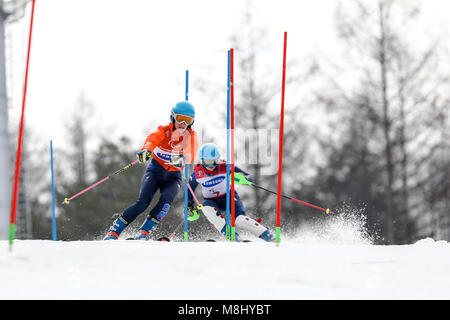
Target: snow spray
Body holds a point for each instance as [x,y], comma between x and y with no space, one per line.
[347,226]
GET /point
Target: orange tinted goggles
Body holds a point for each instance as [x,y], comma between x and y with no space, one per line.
[211,163]
[183,118]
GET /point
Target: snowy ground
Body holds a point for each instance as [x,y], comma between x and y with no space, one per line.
[331,259]
[297,269]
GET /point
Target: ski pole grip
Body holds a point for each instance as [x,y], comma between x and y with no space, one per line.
[239,178]
[195,216]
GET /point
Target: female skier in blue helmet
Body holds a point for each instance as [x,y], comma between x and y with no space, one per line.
[168,148]
[211,174]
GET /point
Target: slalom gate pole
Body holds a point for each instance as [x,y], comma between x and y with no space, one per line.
[191,218]
[280,155]
[67,200]
[194,217]
[227,229]
[53,194]
[187,86]
[186,172]
[12,226]
[199,205]
[233,228]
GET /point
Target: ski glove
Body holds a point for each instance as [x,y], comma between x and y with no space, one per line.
[144,155]
[249,178]
[178,161]
[190,207]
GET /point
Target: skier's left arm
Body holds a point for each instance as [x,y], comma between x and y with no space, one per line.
[246,174]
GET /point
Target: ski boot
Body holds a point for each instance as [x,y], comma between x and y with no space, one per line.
[144,230]
[114,231]
[268,236]
[236,235]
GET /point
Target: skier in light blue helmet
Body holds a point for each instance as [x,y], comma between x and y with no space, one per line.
[211,174]
[209,155]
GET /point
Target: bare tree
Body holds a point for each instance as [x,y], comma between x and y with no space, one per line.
[258,105]
[393,77]
[78,135]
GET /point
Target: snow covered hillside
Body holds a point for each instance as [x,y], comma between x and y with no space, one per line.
[298,269]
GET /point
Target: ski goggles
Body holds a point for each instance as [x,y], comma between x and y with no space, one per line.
[180,118]
[210,163]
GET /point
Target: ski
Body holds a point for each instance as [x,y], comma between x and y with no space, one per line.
[166,239]
[160,239]
[212,240]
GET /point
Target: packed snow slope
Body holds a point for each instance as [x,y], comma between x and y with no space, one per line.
[296,269]
[334,258]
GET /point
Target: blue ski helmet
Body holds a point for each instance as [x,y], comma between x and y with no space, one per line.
[183,111]
[209,155]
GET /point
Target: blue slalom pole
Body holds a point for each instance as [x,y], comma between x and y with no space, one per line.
[228,214]
[53,193]
[186,172]
[187,85]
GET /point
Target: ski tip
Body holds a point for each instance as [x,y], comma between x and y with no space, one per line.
[164,239]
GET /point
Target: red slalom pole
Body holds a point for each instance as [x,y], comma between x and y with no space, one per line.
[233,228]
[280,155]
[12,227]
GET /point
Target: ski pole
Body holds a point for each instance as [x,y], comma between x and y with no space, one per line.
[190,218]
[67,200]
[199,205]
[193,217]
[239,178]
[173,233]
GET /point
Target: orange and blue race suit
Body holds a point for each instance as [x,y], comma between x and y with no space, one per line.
[165,143]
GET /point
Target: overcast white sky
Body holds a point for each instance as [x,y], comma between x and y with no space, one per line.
[129,57]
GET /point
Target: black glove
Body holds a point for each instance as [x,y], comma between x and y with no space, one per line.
[178,161]
[144,155]
[191,207]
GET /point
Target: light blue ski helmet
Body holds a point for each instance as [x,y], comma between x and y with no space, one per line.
[183,111]
[209,155]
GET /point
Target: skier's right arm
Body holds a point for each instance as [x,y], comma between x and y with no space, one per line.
[153,139]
